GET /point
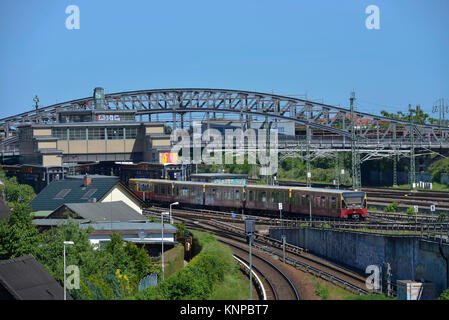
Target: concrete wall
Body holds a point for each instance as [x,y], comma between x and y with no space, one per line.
[51,160]
[411,258]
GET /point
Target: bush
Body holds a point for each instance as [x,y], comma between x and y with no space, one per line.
[199,278]
[444,295]
[410,211]
[439,167]
[442,216]
[393,207]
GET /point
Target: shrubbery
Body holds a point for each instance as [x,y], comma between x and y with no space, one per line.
[439,167]
[199,278]
[393,207]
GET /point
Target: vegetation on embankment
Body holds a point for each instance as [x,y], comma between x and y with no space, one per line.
[211,274]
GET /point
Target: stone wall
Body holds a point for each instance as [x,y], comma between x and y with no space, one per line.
[411,258]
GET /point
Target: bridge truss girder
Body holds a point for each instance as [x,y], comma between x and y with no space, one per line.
[319,116]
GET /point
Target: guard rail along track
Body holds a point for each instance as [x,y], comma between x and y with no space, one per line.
[256,278]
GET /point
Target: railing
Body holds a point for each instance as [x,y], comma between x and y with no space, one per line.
[432,231]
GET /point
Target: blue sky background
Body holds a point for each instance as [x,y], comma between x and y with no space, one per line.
[319,47]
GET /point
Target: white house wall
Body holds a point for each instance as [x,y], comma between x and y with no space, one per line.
[117,194]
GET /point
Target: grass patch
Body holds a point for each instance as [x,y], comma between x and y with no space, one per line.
[235,286]
[328,291]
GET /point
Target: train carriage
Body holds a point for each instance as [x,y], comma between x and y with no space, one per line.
[267,198]
[255,198]
[188,192]
[223,196]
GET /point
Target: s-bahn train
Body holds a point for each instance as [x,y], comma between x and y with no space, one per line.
[254,198]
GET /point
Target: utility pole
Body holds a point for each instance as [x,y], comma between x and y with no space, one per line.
[412,150]
[356,174]
[441,108]
[337,171]
[308,135]
[309,173]
[395,160]
[249,232]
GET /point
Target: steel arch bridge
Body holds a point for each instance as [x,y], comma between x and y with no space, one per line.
[373,130]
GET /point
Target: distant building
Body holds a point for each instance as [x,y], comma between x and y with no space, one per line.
[24,278]
[83,189]
[285,128]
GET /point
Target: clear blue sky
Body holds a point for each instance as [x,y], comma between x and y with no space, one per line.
[319,47]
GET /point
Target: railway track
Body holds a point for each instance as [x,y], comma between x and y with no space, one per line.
[295,256]
[278,285]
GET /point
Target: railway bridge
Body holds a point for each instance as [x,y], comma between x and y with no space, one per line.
[319,129]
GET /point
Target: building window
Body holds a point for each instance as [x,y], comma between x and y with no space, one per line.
[60,133]
[115,133]
[25,134]
[77,133]
[131,133]
[96,133]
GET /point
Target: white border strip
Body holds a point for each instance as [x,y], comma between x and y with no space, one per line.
[255,276]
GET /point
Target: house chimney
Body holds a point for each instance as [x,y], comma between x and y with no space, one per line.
[87,180]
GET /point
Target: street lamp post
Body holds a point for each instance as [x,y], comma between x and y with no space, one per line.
[162,219]
[172,204]
[66,243]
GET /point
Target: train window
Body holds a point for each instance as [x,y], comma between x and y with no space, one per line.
[264,196]
[237,194]
[185,192]
[333,203]
[251,195]
[317,201]
[274,197]
[192,191]
[156,188]
[308,200]
[214,192]
[324,202]
[151,188]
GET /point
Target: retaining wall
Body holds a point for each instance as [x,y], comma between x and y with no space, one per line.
[411,258]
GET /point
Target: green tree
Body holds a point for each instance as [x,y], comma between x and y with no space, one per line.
[18,235]
[439,167]
[14,191]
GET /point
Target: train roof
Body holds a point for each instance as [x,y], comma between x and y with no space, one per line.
[251,186]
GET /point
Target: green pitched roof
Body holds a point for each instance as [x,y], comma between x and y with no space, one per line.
[60,192]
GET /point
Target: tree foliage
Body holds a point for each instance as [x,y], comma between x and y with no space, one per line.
[14,191]
[439,167]
[18,235]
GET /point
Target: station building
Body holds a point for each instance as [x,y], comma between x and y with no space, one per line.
[97,141]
